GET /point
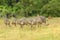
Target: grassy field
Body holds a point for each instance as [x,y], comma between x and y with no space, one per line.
[50,32]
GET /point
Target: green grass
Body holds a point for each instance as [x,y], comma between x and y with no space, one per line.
[50,32]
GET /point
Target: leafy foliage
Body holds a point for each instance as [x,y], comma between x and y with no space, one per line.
[28,8]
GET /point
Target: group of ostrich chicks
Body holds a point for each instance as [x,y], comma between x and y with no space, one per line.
[38,20]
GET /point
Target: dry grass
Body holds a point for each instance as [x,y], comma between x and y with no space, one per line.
[50,32]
